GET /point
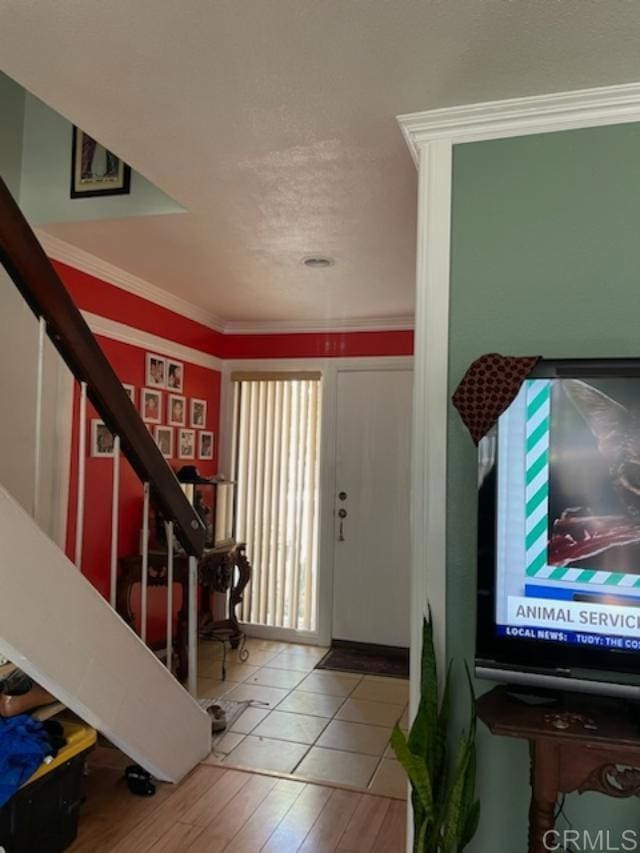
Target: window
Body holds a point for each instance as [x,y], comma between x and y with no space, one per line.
[275,460]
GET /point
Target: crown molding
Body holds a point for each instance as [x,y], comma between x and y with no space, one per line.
[522,116]
[64,252]
[84,261]
[364,324]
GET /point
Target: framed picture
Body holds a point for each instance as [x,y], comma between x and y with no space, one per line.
[101,439]
[205,445]
[156,371]
[151,405]
[164,439]
[175,375]
[96,171]
[198,413]
[177,410]
[186,444]
[131,391]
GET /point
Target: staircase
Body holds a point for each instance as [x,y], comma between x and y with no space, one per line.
[53,623]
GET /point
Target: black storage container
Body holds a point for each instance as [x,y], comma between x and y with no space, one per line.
[42,817]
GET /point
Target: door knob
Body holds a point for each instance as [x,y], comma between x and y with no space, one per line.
[342,496]
[342,514]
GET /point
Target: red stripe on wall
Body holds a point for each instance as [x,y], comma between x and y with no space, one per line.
[106,300]
[99,297]
[319,345]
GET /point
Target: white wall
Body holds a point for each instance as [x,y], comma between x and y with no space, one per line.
[18,376]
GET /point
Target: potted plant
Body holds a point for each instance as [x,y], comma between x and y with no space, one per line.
[445,809]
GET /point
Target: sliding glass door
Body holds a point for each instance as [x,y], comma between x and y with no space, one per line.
[275,460]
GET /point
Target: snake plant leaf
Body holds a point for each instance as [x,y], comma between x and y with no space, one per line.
[419,843]
[415,768]
[455,808]
[471,825]
[440,742]
[471,806]
[445,810]
[420,819]
[424,725]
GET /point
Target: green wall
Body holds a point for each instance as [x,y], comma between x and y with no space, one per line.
[46,177]
[545,260]
[12,99]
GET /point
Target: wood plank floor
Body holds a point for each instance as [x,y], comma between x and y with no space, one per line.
[216,809]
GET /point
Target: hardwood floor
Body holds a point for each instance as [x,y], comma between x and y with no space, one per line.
[216,809]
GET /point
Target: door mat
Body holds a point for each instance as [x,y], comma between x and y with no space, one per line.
[370,661]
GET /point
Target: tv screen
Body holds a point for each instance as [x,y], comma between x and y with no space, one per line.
[559,522]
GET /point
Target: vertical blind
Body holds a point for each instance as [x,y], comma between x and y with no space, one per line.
[275,458]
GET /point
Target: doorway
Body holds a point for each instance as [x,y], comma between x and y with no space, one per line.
[372,504]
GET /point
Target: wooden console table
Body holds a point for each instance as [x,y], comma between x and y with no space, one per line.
[584,744]
[222,569]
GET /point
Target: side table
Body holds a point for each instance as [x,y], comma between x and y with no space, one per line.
[224,569]
[583,744]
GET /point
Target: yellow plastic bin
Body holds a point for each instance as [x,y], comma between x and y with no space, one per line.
[43,815]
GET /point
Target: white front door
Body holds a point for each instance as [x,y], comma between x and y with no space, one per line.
[372,547]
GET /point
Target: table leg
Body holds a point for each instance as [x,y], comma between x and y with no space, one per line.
[545,768]
[237,559]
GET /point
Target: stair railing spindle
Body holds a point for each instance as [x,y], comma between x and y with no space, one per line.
[169,529]
[82,449]
[115,507]
[145,565]
[42,330]
[192,628]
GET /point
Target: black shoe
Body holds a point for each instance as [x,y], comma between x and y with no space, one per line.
[139,781]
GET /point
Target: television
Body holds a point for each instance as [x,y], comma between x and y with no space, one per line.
[559,532]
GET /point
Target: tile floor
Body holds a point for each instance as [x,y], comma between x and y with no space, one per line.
[329,726]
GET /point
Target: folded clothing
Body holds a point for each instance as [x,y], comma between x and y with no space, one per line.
[24,744]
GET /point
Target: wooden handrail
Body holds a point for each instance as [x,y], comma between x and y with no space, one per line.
[33,274]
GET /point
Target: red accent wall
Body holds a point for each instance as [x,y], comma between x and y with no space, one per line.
[129,363]
[319,344]
[106,300]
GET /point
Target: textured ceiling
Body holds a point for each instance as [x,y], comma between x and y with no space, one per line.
[272,122]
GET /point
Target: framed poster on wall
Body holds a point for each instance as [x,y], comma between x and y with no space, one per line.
[96,171]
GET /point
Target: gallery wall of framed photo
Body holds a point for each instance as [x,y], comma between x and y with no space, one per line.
[180,403]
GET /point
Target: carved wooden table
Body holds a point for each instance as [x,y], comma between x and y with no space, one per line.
[584,744]
[216,573]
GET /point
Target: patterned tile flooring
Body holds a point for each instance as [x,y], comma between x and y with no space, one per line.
[333,727]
